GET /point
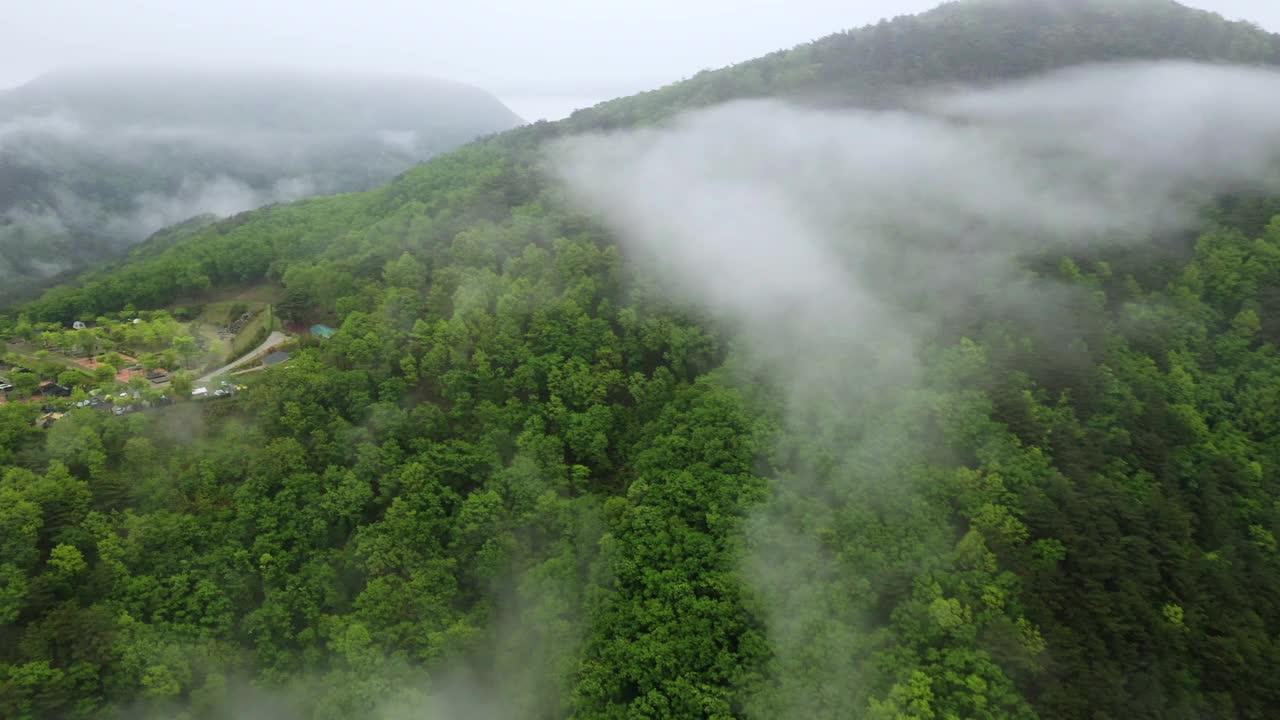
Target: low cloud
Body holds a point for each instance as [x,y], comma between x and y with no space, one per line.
[43,239]
[220,195]
[832,243]
[817,232]
[15,132]
[114,157]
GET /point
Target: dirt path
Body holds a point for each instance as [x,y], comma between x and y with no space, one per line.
[274,338]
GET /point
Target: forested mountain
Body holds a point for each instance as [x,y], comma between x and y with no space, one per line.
[962,412]
[94,160]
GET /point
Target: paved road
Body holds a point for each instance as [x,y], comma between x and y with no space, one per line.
[274,338]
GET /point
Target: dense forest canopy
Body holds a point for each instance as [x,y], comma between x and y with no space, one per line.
[92,161]
[965,409]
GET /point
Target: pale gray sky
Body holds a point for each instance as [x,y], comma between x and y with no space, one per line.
[542,58]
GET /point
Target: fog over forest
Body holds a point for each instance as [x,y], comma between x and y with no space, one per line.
[838,245]
[924,370]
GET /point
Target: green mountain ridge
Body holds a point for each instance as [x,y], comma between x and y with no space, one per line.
[521,481]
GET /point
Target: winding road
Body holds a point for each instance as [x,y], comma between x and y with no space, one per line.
[274,338]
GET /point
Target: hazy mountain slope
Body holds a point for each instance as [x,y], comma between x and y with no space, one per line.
[972,41]
[975,41]
[967,411]
[92,161]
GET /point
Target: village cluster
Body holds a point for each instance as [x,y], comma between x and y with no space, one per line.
[130,363]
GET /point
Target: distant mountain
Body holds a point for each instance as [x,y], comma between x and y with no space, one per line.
[93,161]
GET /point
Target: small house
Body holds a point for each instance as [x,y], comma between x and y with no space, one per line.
[275,358]
[322,331]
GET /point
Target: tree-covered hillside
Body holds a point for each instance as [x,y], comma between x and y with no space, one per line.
[93,161]
[524,480]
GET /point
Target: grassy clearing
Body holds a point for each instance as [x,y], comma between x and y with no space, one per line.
[262,293]
[216,315]
[255,332]
[218,347]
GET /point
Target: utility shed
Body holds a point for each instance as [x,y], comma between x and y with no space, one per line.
[55,390]
[322,331]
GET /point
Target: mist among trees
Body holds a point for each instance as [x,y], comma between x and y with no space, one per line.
[925,371]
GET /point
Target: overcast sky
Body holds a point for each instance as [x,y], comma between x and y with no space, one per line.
[543,58]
